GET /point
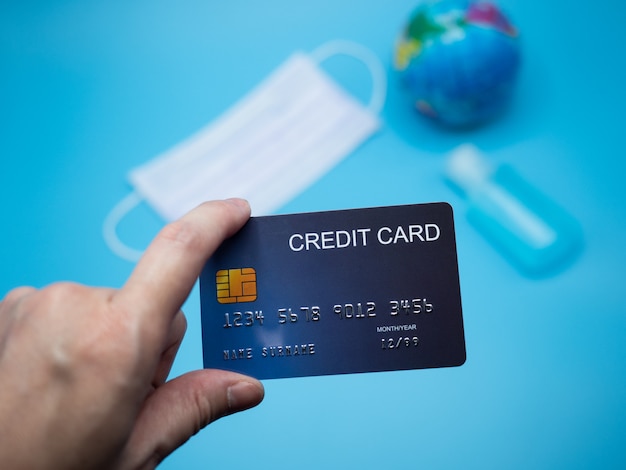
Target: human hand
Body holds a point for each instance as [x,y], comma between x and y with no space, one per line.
[83,370]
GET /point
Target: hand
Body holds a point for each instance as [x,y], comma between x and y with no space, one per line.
[83,370]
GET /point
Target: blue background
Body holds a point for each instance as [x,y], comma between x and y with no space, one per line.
[89,90]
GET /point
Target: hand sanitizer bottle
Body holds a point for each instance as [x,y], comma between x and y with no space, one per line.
[536,234]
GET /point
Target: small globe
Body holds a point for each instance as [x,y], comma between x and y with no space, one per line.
[458,60]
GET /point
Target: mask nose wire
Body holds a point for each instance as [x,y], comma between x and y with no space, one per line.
[109,232]
[364,55]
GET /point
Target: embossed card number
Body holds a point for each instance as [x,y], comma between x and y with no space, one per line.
[361,290]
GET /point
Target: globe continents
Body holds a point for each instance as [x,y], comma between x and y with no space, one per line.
[458,60]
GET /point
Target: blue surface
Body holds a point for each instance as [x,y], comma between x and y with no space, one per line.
[91,89]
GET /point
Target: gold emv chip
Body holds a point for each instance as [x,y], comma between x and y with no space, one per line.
[236,285]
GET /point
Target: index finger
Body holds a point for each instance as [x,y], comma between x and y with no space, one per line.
[166,273]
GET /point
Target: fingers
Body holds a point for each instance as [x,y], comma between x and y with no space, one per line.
[17,294]
[8,312]
[180,408]
[176,334]
[166,273]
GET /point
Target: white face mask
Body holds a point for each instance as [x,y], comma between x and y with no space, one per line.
[280,138]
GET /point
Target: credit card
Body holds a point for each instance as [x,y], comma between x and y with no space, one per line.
[348,291]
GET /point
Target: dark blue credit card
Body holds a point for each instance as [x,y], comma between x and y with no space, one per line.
[337,292]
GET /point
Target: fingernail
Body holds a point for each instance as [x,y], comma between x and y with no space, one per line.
[244,394]
[239,202]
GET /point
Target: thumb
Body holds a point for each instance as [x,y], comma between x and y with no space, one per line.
[180,408]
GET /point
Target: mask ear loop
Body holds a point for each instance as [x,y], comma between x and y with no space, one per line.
[111,221]
[367,57]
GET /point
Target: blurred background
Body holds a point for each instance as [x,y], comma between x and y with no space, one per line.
[90,90]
